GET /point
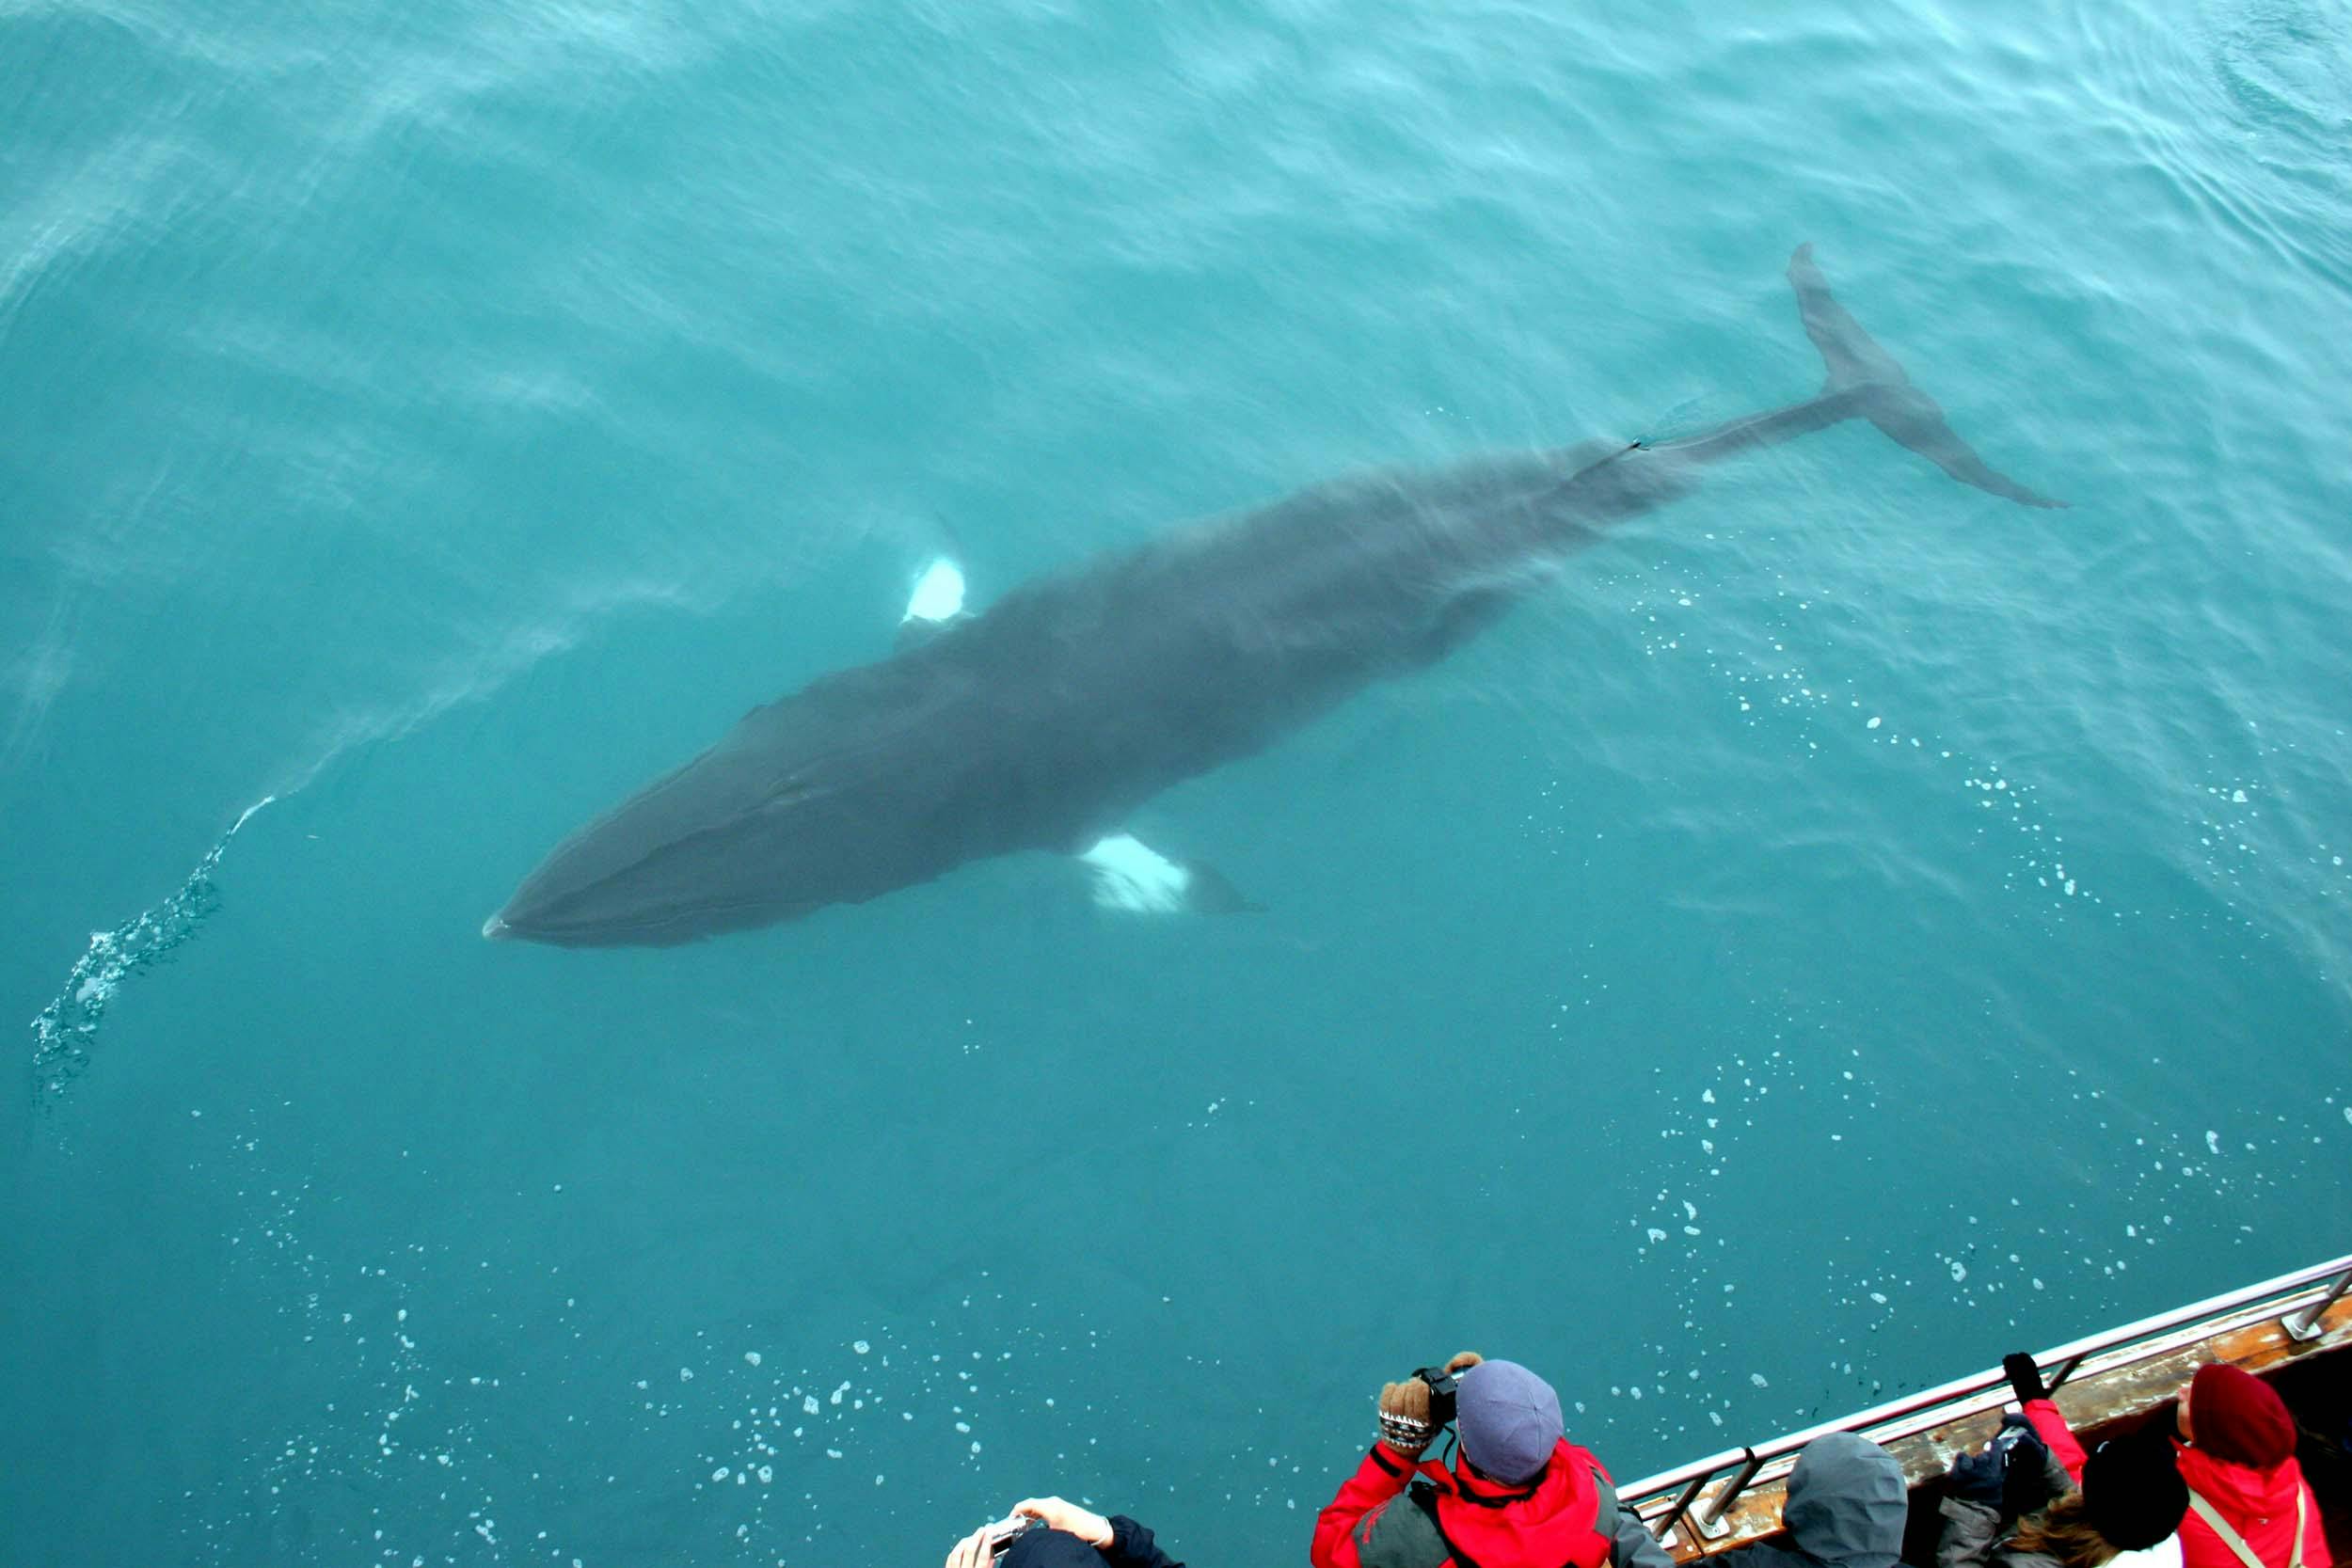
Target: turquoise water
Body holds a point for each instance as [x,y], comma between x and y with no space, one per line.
[1843,928]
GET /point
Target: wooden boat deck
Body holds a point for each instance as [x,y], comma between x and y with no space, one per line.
[2114,1386]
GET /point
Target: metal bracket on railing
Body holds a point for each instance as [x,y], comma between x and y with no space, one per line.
[2304,1326]
[1681,1509]
[1692,1479]
[2057,1380]
[1708,1520]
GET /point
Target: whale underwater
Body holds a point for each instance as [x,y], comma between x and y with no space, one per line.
[1043,722]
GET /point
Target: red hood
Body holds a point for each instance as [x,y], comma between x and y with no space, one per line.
[2240,1490]
[1552,1521]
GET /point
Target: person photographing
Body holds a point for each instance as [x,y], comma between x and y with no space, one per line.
[1519,1495]
[2034,1497]
[1048,1532]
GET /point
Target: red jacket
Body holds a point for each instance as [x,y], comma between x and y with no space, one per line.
[2057,1437]
[2258,1504]
[1554,1522]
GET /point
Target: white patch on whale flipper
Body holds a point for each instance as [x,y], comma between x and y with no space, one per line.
[938,594]
[1130,875]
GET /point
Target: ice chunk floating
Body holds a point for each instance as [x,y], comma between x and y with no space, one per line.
[1044,721]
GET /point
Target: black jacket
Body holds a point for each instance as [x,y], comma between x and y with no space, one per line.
[1131,1547]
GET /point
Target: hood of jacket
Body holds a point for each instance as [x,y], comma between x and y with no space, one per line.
[2240,1491]
[1847,1502]
[1551,1519]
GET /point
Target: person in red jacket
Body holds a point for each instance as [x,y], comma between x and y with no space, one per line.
[1065,1536]
[2033,1499]
[2041,1414]
[2249,1506]
[1520,1495]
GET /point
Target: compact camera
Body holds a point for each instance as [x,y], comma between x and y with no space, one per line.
[1443,1387]
[1004,1531]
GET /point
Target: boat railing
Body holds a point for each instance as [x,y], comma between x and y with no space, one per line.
[1672,1498]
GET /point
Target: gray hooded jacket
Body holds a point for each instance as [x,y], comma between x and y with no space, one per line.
[1845,1508]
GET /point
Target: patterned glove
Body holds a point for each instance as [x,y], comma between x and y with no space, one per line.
[1405,1423]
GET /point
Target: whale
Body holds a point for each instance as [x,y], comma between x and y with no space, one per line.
[1043,722]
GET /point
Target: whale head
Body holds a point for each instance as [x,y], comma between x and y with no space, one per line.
[687,859]
[834,795]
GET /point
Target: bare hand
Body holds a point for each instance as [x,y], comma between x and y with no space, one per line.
[972,1551]
[1055,1514]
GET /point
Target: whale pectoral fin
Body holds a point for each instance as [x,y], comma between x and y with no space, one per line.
[1469,611]
[1131,875]
[935,604]
[913,634]
[1212,893]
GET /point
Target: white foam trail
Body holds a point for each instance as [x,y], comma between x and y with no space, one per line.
[63,1031]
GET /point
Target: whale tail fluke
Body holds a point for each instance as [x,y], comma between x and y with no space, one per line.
[1885,395]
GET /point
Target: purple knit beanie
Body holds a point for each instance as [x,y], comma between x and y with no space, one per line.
[1509,1419]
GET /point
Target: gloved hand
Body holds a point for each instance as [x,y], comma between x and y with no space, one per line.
[1978,1478]
[2028,1483]
[1985,1476]
[2024,1376]
[1405,1423]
